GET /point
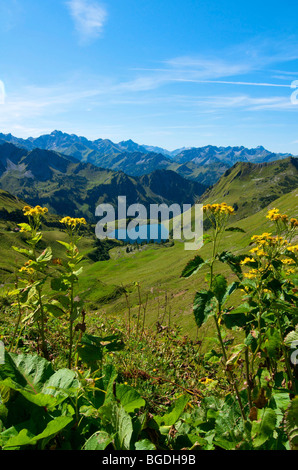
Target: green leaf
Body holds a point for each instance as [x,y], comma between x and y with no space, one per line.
[90,349]
[145,444]
[229,291]
[233,261]
[23,251]
[272,342]
[25,227]
[23,438]
[193,266]
[35,379]
[117,422]
[99,441]
[60,284]
[237,351]
[204,305]
[263,428]
[219,287]
[176,410]
[67,245]
[45,256]
[54,309]
[291,424]
[129,398]
[238,317]
[292,337]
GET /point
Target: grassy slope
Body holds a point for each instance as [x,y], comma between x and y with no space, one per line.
[253,186]
[156,268]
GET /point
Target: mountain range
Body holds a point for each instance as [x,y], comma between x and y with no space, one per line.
[68,186]
[203,164]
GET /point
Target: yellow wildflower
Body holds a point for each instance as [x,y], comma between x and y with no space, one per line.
[26,270]
[33,211]
[222,208]
[247,260]
[73,222]
[251,274]
[260,252]
[292,248]
[293,222]
[272,213]
[287,261]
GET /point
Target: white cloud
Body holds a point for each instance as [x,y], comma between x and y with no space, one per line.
[89,18]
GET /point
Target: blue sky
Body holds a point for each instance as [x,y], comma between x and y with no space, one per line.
[161,72]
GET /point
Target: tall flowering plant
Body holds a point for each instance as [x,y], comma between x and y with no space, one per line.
[267,276]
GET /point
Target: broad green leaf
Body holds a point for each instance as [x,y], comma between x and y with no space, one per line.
[99,441]
[25,227]
[233,261]
[68,246]
[35,379]
[176,410]
[291,423]
[24,438]
[272,342]
[23,251]
[204,306]
[46,255]
[54,309]
[117,423]
[60,284]
[219,287]
[237,351]
[193,266]
[292,337]
[145,444]
[238,317]
[63,380]
[129,398]
[90,349]
[28,371]
[229,291]
[263,428]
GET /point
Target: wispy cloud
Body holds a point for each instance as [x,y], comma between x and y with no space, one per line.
[89,18]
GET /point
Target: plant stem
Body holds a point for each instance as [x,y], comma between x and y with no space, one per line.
[248,378]
[42,330]
[229,373]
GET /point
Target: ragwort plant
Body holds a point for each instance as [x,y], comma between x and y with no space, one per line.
[43,296]
[267,317]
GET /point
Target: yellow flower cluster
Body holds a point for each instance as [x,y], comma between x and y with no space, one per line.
[72,222]
[292,248]
[222,208]
[247,260]
[26,268]
[287,261]
[293,222]
[274,215]
[33,211]
[267,239]
[252,274]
